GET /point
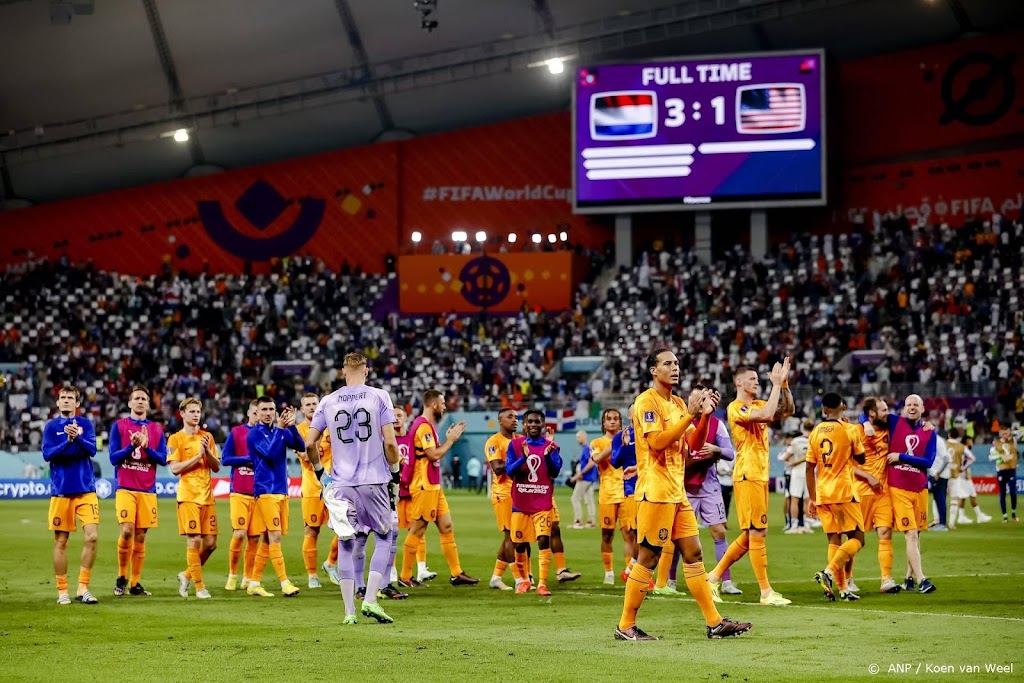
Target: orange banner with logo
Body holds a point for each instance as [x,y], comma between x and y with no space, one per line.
[499,283]
[324,206]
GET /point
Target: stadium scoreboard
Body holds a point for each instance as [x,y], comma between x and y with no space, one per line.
[700,133]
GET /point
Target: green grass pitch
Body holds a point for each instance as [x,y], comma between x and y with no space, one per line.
[477,634]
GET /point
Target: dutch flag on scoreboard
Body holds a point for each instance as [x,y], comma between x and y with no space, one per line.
[561,420]
[623,115]
[776,108]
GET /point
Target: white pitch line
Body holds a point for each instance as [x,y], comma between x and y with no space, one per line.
[814,607]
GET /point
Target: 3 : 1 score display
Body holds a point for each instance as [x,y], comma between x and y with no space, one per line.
[675,111]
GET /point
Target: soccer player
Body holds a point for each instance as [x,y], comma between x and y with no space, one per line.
[496,453]
[961,459]
[834,446]
[361,422]
[611,499]
[314,513]
[796,487]
[245,520]
[428,502]
[408,470]
[1004,453]
[660,420]
[749,418]
[583,491]
[532,464]
[69,444]
[624,458]
[137,446]
[268,443]
[704,491]
[871,488]
[911,452]
[193,456]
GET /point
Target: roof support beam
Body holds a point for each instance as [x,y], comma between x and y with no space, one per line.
[543,12]
[179,105]
[362,63]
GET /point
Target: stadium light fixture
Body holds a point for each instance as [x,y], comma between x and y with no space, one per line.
[552,238]
[537,238]
[563,236]
[181,135]
[481,236]
[459,236]
[417,236]
[512,238]
[556,65]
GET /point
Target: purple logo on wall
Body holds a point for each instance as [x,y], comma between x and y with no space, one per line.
[261,204]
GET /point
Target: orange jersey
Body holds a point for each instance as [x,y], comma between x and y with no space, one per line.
[421,441]
[496,448]
[196,485]
[659,473]
[833,446]
[751,441]
[310,486]
[612,488]
[876,454]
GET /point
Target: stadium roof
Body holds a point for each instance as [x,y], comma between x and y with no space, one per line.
[91,90]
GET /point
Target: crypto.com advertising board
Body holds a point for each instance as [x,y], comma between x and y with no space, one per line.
[700,133]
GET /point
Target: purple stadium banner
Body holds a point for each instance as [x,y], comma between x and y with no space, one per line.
[701,132]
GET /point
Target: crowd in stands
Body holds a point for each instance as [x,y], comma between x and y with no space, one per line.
[871,312]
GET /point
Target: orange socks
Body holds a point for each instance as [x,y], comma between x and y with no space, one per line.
[309,554]
[250,558]
[842,557]
[607,559]
[124,551]
[409,549]
[332,557]
[545,566]
[277,558]
[523,565]
[451,553]
[195,568]
[515,569]
[733,553]
[83,579]
[421,549]
[665,564]
[499,568]
[697,582]
[759,561]
[234,554]
[138,558]
[260,564]
[62,584]
[885,558]
[559,562]
[636,591]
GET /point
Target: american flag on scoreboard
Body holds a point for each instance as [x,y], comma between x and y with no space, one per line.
[624,115]
[775,108]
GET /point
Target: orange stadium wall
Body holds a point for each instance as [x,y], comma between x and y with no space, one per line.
[943,96]
[501,283]
[948,190]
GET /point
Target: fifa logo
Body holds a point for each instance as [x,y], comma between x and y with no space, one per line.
[913,441]
[533,462]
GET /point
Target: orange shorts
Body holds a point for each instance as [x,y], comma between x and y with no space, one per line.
[246,515]
[273,508]
[503,512]
[621,514]
[135,507]
[428,505]
[527,528]
[659,523]
[195,519]
[838,518]
[877,511]
[909,509]
[314,512]
[64,510]
[751,499]
[402,510]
